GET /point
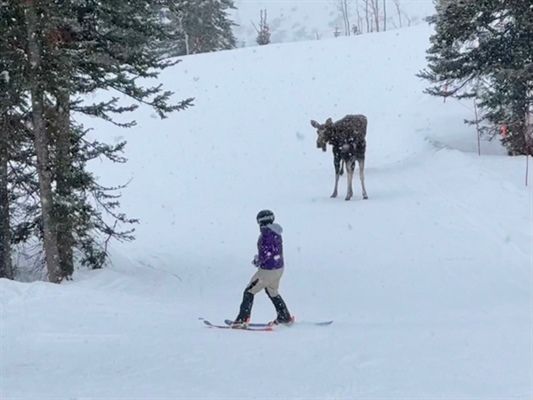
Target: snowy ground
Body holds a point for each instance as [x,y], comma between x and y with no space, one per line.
[429,281]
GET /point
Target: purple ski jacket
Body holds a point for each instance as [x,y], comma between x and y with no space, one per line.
[270,247]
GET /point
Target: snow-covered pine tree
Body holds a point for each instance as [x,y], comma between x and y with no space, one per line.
[5,220]
[509,95]
[198,26]
[72,48]
[13,104]
[119,37]
[19,186]
[484,50]
[505,99]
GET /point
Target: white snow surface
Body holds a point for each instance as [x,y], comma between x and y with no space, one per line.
[429,281]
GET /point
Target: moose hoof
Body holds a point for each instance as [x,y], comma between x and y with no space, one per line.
[333,195]
[365,197]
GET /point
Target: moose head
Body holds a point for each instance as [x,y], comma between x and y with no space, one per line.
[324,133]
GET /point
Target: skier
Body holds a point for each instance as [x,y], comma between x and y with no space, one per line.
[270,267]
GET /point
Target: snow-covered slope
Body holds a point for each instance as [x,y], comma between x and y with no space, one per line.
[300,20]
[429,281]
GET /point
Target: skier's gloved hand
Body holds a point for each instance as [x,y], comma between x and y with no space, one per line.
[255,261]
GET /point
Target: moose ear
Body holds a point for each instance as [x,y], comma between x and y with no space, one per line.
[315,124]
[329,121]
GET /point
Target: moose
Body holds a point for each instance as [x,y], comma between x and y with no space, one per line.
[347,137]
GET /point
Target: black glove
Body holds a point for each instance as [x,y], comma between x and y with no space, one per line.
[255,261]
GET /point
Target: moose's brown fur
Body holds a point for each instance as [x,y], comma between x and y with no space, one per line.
[347,137]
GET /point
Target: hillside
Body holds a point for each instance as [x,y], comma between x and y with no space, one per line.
[301,20]
[429,281]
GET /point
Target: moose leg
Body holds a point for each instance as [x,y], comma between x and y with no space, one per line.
[350,167]
[335,189]
[362,177]
[336,163]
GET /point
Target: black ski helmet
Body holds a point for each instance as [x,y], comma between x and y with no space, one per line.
[265,217]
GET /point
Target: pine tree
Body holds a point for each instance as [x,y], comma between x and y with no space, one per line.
[198,26]
[506,101]
[484,50]
[5,219]
[263,32]
[118,36]
[12,101]
[69,49]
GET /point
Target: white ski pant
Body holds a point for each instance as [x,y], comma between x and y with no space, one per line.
[267,279]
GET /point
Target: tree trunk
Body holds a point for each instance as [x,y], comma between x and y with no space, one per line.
[359,19]
[6,269]
[63,185]
[41,146]
[375,10]
[346,18]
[398,10]
[384,15]
[186,36]
[367,17]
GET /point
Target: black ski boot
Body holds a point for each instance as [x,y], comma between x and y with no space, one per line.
[243,319]
[284,316]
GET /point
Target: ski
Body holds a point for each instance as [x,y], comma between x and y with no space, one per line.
[262,328]
[266,324]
